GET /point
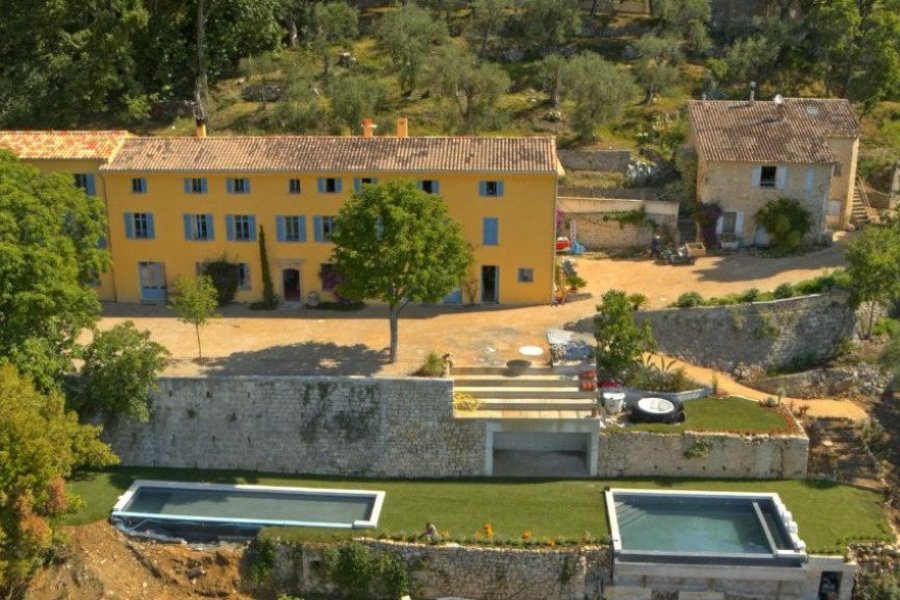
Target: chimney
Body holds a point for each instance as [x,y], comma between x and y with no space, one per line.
[402,127]
[199,128]
[368,127]
[779,105]
[752,91]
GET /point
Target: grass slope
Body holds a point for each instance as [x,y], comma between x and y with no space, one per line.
[828,514]
[726,414]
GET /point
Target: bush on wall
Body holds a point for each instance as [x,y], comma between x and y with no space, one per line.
[225,277]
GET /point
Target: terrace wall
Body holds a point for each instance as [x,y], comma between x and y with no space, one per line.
[462,571]
[317,425]
[729,456]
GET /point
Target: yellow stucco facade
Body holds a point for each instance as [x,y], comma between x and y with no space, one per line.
[525,216]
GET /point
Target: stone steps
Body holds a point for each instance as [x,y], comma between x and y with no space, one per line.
[527,393]
[533,371]
[533,404]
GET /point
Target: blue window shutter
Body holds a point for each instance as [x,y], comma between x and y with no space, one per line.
[435,187]
[229,227]
[302,229]
[90,185]
[279,226]
[203,185]
[151,229]
[357,184]
[756,176]
[499,188]
[252,220]
[210,231]
[321,185]
[482,188]
[129,225]
[187,185]
[318,235]
[229,185]
[247,186]
[338,185]
[188,230]
[490,231]
[143,185]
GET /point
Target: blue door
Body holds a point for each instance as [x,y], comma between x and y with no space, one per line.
[153,282]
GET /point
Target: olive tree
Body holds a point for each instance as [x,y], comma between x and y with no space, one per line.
[621,341]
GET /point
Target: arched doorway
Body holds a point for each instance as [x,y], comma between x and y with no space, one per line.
[291,284]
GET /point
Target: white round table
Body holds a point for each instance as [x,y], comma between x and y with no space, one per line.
[656,406]
[530,351]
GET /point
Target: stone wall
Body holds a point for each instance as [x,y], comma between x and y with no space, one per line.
[477,573]
[769,334]
[595,160]
[316,425]
[849,380]
[597,228]
[729,456]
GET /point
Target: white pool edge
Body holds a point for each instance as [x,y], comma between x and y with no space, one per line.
[126,497]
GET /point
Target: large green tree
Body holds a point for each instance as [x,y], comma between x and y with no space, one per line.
[873,264]
[621,342]
[331,23]
[471,88]
[657,66]
[355,96]
[685,19]
[398,244]
[546,26]
[50,234]
[601,92]
[487,24]
[120,369]
[40,444]
[407,36]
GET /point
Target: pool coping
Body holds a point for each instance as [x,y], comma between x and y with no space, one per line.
[128,495]
[797,553]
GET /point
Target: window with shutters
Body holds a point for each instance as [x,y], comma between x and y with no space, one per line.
[81,181]
[293,231]
[243,276]
[294,186]
[195,185]
[768,176]
[243,230]
[327,228]
[329,185]
[240,185]
[526,275]
[138,185]
[142,229]
[490,189]
[200,227]
[429,186]
[729,222]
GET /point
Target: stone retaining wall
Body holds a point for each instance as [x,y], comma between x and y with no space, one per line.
[316,425]
[597,228]
[768,334]
[729,456]
[476,573]
[862,379]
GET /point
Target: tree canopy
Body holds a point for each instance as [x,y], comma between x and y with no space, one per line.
[407,35]
[398,244]
[621,342]
[195,303]
[601,92]
[873,264]
[50,233]
[40,445]
[472,88]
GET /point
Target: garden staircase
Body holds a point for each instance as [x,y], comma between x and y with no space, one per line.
[860,211]
[525,389]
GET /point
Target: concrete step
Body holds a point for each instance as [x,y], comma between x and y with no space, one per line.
[531,371]
[527,393]
[489,381]
[534,405]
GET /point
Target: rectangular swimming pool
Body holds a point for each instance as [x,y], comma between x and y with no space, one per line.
[173,503]
[702,527]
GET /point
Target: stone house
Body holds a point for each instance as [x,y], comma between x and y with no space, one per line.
[749,152]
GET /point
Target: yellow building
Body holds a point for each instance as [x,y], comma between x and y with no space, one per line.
[175,203]
[752,151]
[80,153]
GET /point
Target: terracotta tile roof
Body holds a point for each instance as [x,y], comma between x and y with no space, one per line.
[318,154]
[72,145]
[756,132]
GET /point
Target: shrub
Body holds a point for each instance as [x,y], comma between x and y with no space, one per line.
[432,367]
[225,277]
[785,290]
[638,301]
[786,221]
[751,295]
[465,402]
[689,299]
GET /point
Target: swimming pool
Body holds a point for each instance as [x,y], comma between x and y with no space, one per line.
[702,528]
[169,504]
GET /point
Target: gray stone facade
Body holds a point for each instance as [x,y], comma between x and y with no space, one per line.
[729,456]
[769,334]
[474,572]
[317,425]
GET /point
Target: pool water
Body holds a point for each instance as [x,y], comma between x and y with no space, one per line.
[690,525]
[255,505]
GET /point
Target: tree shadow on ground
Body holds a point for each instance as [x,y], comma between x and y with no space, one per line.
[306,358]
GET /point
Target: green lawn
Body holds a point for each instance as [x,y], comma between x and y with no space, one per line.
[568,511]
[724,414]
